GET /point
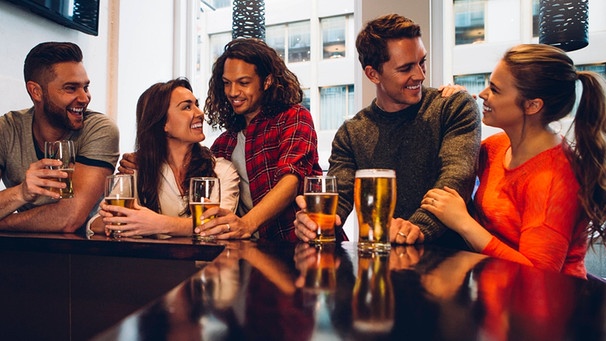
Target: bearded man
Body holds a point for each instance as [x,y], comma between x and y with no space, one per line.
[58,85]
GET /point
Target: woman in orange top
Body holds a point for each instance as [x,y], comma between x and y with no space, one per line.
[540,196]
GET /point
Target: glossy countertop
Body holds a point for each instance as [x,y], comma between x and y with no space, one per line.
[275,291]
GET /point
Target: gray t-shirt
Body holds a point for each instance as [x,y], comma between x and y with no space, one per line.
[96,144]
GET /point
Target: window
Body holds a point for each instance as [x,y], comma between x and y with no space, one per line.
[474,83]
[218,3]
[298,42]
[217,44]
[333,37]
[336,104]
[306,100]
[598,68]
[275,37]
[290,40]
[469,21]
[535,18]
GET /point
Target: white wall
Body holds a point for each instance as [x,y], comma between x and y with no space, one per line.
[133,50]
[145,57]
[20,30]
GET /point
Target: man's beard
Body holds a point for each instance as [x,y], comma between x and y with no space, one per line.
[56,116]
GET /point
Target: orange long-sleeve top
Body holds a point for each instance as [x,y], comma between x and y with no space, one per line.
[532,211]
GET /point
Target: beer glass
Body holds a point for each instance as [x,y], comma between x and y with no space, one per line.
[63,151]
[321,197]
[375,201]
[120,191]
[322,274]
[204,193]
[373,306]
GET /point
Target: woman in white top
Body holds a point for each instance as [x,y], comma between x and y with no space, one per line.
[168,154]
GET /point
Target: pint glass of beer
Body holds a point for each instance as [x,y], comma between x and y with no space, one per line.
[63,151]
[204,193]
[375,201]
[120,191]
[321,197]
[373,307]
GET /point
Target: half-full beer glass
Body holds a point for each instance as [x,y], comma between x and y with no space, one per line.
[120,191]
[321,197]
[375,201]
[204,193]
[64,151]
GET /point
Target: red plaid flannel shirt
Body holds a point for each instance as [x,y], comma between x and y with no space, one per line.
[276,146]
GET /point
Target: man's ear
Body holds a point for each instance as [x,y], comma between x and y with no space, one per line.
[35,91]
[533,106]
[267,83]
[372,74]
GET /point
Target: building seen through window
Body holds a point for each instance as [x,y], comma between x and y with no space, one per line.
[218,3]
[469,21]
[336,105]
[333,37]
[298,42]
[275,36]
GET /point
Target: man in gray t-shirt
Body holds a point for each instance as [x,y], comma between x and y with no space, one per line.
[57,83]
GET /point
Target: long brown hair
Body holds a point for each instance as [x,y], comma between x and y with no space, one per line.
[284,91]
[546,72]
[152,148]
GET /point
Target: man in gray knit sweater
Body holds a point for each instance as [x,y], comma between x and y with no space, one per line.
[430,140]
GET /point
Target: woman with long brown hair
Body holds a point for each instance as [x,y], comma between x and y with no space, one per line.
[541,197]
[169,153]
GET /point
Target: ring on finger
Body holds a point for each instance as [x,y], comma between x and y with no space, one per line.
[228,228]
[402,234]
[433,202]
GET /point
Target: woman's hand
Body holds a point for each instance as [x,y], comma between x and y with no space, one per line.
[448,206]
[223,224]
[138,221]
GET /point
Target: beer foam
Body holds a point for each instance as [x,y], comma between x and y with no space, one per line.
[375,173]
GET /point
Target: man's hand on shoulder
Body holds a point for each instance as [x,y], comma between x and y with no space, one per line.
[128,163]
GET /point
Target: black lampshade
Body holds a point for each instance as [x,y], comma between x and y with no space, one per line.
[248,19]
[564,24]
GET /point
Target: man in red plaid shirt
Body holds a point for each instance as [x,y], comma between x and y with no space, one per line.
[269,137]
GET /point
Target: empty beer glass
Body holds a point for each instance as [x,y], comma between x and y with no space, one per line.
[204,193]
[375,201]
[63,151]
[321,197]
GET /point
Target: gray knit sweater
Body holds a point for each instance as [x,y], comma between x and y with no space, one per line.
[432,144]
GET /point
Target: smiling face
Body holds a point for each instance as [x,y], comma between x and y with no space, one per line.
[184,117]
[243,87]
[399,83]
[501,100]
[66,97]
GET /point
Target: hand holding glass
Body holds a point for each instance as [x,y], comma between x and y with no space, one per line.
[322,199]
[204,193]
[375,202]
[63,151]
[120,191]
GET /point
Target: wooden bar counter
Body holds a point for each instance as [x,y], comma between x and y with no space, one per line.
[265,291]
[69,287]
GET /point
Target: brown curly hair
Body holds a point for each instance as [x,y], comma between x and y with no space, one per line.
[284,91]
